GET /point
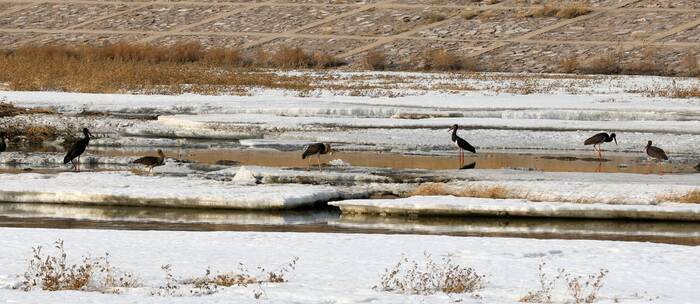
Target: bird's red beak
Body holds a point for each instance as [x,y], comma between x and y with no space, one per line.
[450,129]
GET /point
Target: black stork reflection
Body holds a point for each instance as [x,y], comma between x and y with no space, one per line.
[598,139]
[3,145]
[461,144]
[656,153]
[77,149]
[152,161]
[316,149]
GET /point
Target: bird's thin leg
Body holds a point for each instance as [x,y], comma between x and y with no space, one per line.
[149,170]
[78,163]
[319,163]
[461,157]
[72,163]
[600,166]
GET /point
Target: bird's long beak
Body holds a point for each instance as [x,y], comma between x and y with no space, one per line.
[90,134]
[449,130]
[615,139]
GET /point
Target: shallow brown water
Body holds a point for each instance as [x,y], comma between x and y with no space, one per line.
[553,162]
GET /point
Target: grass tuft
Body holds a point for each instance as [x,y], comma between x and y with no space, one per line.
[430,277]
[578,288]
[54,272]
[565,11]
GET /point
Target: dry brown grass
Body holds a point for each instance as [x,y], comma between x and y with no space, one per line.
[32,133]
[692,197]
[54,273]
[470,14]
[433,17]
[606,64]
[646,65]
[429,189]
[8,110]
[148,69]
[570,64]
[375,60]
[578,288]
[690,64]
[565,11]
[442,60]
[430,277]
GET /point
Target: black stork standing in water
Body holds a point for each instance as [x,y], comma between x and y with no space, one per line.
[316,149]
[461,144]
[77,149]
[598,140]
[3,146]
[656,153]
[152,161]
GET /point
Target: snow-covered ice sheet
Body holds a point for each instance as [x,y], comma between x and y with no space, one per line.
[469,206]
[125,188]
[342,268]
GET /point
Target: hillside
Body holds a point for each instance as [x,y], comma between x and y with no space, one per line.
[596,36]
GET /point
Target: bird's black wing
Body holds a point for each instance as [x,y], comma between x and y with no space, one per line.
[75,151]
[465,145]
[596,139]
[657,153]
[148,160]
[312,149]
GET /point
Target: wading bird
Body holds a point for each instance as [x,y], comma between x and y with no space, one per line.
[317,149]
[656,153]
[77,149]
[152,161]
[461,144]
[3,146]
[598,140]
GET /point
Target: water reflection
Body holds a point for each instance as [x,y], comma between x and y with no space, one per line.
[329,220]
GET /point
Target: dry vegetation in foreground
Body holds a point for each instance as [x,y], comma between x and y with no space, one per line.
[54,272]
[210,282]
[692,197]
[578,288]
[566,11]
[429,189]
[430,277]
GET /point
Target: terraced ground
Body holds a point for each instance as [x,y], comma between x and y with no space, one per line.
[648,36]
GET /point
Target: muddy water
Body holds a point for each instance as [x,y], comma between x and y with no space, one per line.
[331,221]
[553,162]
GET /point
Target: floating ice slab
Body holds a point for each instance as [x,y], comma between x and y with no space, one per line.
[127,189]
[469,206]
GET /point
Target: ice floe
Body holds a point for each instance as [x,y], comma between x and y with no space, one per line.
[469,206]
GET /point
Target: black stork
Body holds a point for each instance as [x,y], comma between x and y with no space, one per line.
[598,140]
[461,144]
[3,146]
[656,153]
[316,149]
[152,161]
[77,149]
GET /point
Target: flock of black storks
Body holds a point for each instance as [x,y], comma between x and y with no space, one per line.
[318,149]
